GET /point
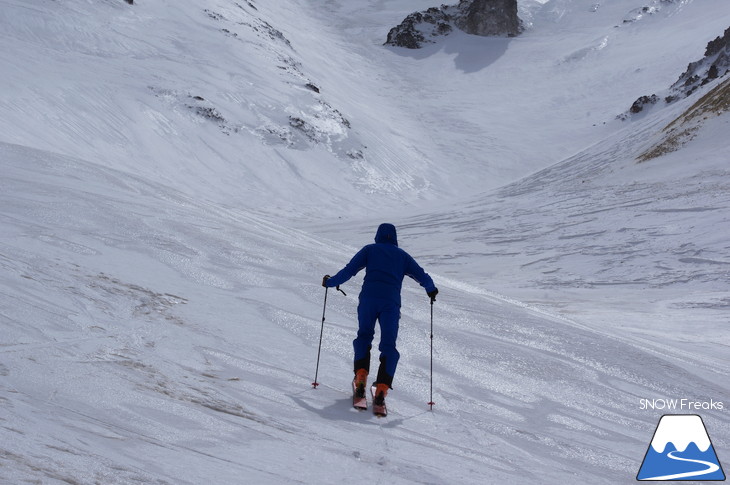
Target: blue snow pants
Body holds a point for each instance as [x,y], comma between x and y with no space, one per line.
[387,313]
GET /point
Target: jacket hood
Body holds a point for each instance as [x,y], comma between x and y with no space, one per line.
[386,234]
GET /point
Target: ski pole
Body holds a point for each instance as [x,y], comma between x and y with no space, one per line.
[321,331]
[430,402]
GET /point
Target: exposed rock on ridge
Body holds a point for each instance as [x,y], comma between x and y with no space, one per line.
[489,17]
[715,64]
[686,127]
[477,17]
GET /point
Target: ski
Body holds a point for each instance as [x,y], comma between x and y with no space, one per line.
[379,408]
[359,399]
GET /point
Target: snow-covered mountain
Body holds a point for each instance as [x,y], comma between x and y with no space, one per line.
[681,431]
[681,450]
[176,177]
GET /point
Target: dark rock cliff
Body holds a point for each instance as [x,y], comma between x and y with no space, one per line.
[477,17]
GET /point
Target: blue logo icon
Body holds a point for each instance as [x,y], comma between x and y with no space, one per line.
[681,450]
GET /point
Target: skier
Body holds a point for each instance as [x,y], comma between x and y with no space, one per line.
[385,266]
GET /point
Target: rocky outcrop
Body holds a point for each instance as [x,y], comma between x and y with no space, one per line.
[489,18]
[714,65]
[421,27]
[477,17]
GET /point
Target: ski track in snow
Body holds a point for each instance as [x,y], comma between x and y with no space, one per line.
[711,468]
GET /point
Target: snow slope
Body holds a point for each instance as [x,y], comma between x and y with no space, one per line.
[151,337]
[173,187]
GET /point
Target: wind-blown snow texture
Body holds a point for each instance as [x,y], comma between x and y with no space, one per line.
[176,177]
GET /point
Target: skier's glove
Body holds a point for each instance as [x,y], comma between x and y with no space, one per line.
[324,280]
[432,294]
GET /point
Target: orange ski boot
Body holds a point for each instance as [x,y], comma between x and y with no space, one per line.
[359,400]
[379,391]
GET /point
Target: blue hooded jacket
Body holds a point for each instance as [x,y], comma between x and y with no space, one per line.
[385,266]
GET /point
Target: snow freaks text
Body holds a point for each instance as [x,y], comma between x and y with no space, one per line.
[681,405]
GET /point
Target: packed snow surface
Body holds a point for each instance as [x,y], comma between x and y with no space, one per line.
[177,177]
